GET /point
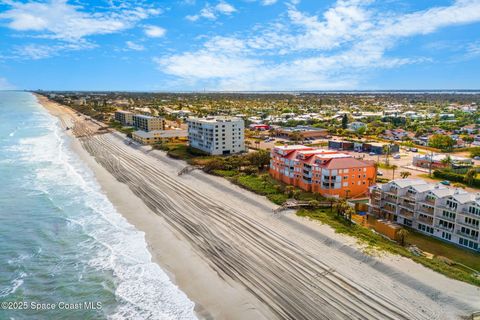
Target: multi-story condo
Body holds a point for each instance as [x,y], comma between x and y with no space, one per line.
[328,172]
[217,135]
[124,117]
[148,123]
[447,213]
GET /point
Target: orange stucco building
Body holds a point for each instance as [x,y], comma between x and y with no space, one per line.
[330,173]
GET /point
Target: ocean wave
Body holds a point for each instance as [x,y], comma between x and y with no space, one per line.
[13,286]
[112,244]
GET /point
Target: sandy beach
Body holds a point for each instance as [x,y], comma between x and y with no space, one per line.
[234,258]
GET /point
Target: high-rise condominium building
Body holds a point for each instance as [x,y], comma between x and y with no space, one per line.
[217,135]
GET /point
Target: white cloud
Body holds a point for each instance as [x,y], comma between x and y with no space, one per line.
[57,19]
[40,51]
[211,13]
[332,50]
[5,85]
[268,2]
[134,46]
[155,31]
[225,8]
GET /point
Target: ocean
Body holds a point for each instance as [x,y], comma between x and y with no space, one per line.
[65,252]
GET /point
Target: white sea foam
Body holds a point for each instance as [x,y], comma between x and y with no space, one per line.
[142,287]
[14,285]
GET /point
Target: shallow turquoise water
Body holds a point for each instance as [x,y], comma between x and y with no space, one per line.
[61,240]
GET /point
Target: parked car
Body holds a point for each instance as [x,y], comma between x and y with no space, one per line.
[476,158]
[372,154]
[396,156]
[414,149]
[379,173]
[445,182]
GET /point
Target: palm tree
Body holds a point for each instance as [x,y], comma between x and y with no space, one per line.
[405,174]
[289,191]
[470,176]
[332,200]
[349,212]
[402,235]
[394,167]
[447,161]
[342,207]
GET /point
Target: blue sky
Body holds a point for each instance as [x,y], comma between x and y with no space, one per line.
[239,45]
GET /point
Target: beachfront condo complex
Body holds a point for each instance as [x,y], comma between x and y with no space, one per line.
[217,135]
[328,172]
[124,117]
[450,214]
[148,123]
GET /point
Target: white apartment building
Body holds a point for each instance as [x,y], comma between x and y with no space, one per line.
[124,117]
[447,213]
[217,135]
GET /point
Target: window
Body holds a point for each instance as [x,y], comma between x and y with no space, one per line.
[468,243]
[451,204]
[425,228]
[446,235]
[448,214]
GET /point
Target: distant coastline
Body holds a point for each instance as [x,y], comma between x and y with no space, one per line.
[347,92]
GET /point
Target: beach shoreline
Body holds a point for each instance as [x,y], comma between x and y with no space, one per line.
[216,296]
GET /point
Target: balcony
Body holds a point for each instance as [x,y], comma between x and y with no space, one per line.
[307,173]
[408,205]
[471,226]
[409,195]
[429,201]
[442,227]
[392,191]
[425,220]
[452,219]
[389,210]
[465,235]
[375,203]
[406,213]
[427,211]
[445,207]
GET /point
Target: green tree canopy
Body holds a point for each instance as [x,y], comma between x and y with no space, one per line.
[441,141]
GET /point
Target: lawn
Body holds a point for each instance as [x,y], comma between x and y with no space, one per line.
[440,248]
[375,241]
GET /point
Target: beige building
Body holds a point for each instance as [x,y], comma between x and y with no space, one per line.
[148,123]
[124,117]
[155,136]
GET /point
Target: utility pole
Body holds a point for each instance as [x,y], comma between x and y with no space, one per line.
[430,166]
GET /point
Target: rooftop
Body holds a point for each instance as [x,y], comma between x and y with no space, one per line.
[301,128]
[215,119]
[161,133]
